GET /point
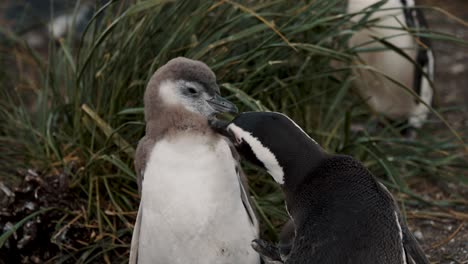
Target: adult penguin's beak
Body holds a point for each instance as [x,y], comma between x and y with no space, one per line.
[222,105]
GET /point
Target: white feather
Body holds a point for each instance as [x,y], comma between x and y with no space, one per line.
[168,93]
[191,206]
[400,232]
[261,152]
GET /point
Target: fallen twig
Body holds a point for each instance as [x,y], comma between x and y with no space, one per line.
[445,241]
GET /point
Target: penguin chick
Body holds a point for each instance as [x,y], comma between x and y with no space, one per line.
[340,212]
[193,206]
[383,95]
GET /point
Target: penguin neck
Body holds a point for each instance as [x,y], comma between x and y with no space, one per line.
[301,166]
[170,119]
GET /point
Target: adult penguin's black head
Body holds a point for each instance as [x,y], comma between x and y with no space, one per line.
[274,142]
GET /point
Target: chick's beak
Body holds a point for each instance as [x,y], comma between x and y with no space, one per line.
[222,105]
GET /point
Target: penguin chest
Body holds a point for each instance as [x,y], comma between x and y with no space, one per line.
[191,206]
[189,176]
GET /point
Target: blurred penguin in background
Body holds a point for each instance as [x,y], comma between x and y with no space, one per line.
[394,18]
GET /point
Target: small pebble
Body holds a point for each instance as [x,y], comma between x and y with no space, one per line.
[457,68]
[419,235]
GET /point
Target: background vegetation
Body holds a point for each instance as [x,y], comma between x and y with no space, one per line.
[76,116]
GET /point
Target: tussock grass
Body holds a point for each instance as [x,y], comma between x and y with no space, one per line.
[268,55]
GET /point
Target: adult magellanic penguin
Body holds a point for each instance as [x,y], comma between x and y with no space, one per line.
[193,205]
[384,95]
[339,211]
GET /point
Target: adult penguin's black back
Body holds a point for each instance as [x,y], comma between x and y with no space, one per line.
[348,217]
[341,213]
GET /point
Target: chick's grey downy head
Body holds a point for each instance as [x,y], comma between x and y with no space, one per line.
[269,140]
[185,83]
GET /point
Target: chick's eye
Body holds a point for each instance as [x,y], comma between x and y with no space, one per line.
[192,90]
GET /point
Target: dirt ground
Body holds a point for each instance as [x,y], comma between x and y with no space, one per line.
[445,240]
[451,59]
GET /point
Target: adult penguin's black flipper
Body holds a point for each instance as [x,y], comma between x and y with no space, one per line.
[414,253]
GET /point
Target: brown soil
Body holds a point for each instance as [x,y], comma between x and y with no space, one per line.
[33,241]
[442,232]
[451,59]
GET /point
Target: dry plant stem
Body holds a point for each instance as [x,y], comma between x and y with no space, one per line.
[445,241]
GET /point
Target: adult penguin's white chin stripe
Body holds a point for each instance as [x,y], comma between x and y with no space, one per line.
[261,152]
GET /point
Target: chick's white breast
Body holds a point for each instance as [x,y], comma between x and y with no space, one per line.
[191,203]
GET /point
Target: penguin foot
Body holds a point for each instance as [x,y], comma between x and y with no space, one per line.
[269,252]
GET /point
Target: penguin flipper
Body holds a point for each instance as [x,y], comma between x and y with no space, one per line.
[286,239]
[414,253]
[412,250]
[244,187]
[145,145]
[246,200]
[133,259]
